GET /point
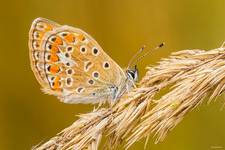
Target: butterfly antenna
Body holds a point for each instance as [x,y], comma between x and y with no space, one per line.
[148,52]
[135,56]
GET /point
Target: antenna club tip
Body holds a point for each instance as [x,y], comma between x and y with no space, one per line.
[162,44]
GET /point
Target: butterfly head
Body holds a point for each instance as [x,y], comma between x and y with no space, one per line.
[132,74]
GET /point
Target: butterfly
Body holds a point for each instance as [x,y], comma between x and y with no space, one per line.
[70,64]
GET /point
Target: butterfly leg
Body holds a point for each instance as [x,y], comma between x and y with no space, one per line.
[114,92]
[130,86]
[127,88]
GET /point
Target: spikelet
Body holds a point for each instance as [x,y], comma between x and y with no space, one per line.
[190,76]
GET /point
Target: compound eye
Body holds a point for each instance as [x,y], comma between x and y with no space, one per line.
[131,74]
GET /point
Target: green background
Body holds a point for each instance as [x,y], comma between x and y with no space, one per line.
[121,27]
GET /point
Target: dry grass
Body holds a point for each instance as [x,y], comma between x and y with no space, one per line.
[189,75]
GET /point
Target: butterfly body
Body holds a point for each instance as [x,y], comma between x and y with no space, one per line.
[71,65]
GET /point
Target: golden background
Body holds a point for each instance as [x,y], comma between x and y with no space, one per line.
[121,27]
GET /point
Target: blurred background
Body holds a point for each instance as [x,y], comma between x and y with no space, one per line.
[28,116]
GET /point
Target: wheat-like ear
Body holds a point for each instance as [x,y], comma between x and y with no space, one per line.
[190,76]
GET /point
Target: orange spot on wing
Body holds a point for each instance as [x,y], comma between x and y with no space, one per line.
[58,41]
[54,58]
[70,38]
[48,27]
[40,34]
[54,49]
[81,37]
[54,69]
[57,83]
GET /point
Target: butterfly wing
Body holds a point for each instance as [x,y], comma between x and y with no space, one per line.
[39,28]
[75,68]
